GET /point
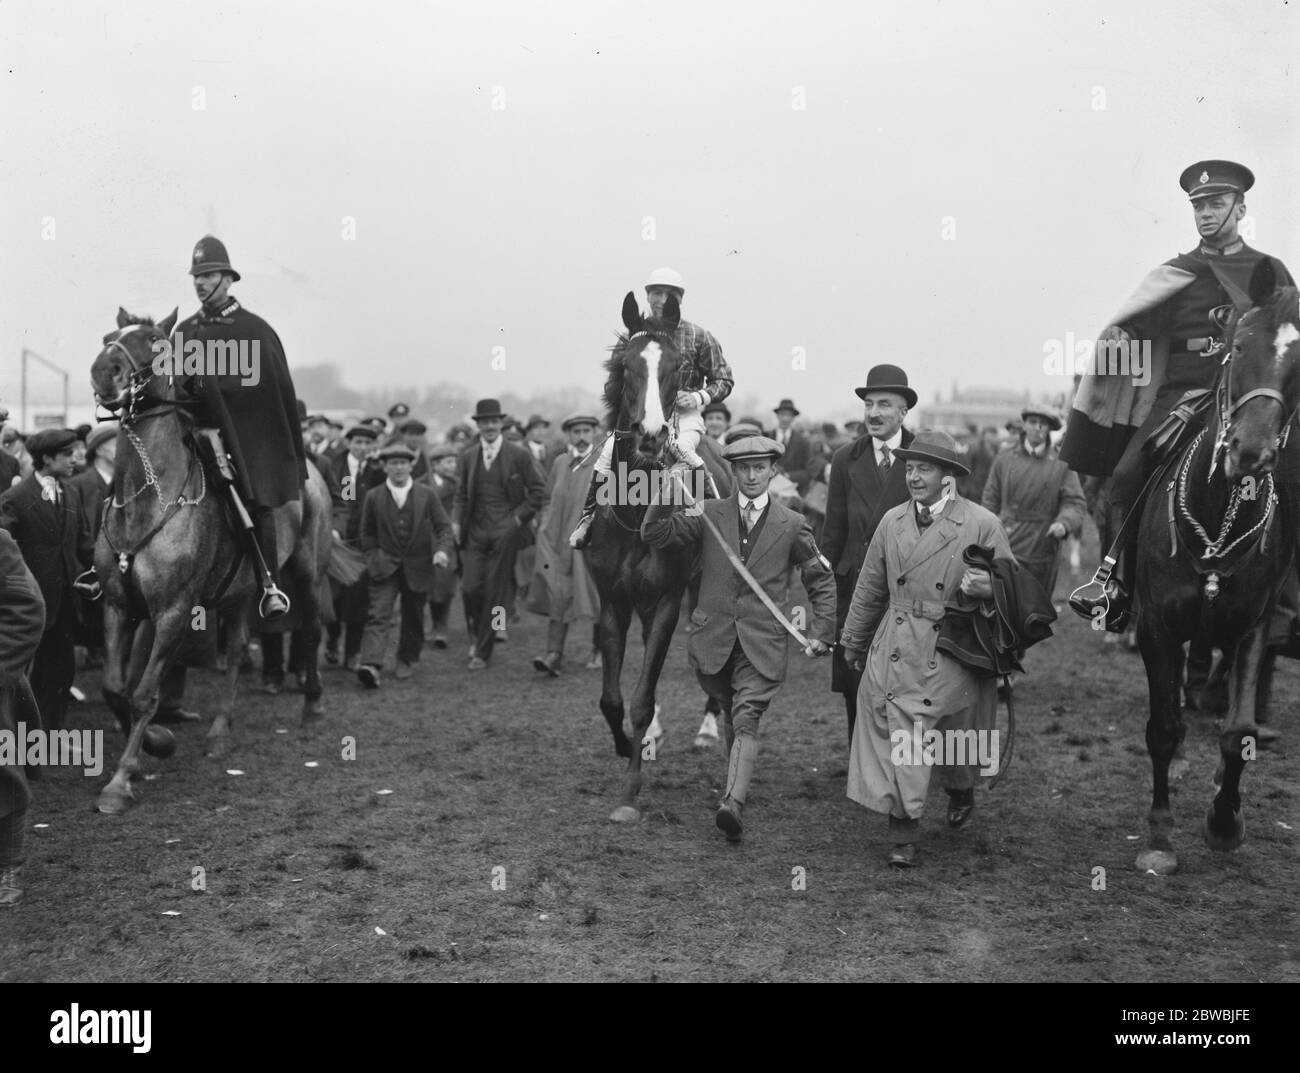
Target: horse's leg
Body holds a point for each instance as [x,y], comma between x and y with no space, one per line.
[1163,657]
[167,633]
[1225,827]
[659,623]
[615,619]
[308,635]
[219,734]
[114,683]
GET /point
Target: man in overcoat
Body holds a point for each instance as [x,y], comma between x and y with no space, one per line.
[865,482]
[441,479]
[739,652]
[44,517]
[350,476]
[912,572]
[1036,497]
[499,491]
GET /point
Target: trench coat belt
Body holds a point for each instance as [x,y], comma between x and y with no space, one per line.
[932,609]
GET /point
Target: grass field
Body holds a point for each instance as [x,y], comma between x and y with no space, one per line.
[492,857]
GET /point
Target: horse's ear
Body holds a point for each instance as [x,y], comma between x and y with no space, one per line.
[672,313]
[168,322]
[631,313]
[123,317]
[1263,282]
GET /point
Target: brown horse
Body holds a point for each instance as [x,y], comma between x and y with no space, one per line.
[1216,542]
[169,555]
[631,576]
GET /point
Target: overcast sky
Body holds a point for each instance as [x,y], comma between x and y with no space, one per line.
[513,169]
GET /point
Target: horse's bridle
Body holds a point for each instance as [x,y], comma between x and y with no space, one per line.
[1227,409]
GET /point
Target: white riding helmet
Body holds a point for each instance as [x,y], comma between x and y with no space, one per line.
[666,277]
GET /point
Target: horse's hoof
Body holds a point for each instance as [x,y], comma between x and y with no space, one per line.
[1224,843]
[312,711]
[158,741]
[625,814]
[219,747]
[114,803]
[1178,767]
[1161,862]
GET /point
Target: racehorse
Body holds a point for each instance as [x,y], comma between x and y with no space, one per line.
[630,576]
[1216,541]
[168,552]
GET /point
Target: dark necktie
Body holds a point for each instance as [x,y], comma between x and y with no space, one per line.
[885,461]
[923,516]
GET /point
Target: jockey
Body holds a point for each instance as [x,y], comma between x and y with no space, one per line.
[251,401]
[1168,339]
[705,379]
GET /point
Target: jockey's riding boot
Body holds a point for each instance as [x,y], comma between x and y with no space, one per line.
[710,488]
[581,535]
[740,770]
[274,603]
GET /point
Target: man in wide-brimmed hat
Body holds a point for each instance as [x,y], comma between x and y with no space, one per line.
[912,571]
[1036,496]
[865,481]
[499,492]
[798,453]
[739,653]
[1167,339]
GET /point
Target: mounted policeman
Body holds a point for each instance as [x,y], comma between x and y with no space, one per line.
[251,403]
[1160,356]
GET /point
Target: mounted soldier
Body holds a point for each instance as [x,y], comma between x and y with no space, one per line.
[256,415]
[1160,356]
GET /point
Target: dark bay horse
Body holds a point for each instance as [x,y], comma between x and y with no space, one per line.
[1216,541]
[632,577]
[168,553]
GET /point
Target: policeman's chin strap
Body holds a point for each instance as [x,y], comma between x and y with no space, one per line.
[1236,200]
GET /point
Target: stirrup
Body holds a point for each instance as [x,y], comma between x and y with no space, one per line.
[1082,602]
[274,603]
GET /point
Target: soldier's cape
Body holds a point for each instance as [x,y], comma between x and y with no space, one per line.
[1109,405]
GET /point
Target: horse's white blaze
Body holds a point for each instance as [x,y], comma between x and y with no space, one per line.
[1286,335]
[654,410]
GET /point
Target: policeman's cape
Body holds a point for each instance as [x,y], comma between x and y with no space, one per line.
[1109,407]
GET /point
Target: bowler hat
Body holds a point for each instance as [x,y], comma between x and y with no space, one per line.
[210,256]
[487,408]
[365,432]
[887,378]
[751,447]
[534,421]
[579,419]
[786,404]
[99,434]
[1206,178]
[49,441]
[1042,411]
[931,445]
[397,450]
[413,426]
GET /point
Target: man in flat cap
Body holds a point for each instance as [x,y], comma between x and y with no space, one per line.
[865,481]
[562,587]
[1036,496]
[44,517]
[257,415]
[1168,338]
[500,489]
[405,533]
[442,481]
[913,571]
[739,652]
[351,476]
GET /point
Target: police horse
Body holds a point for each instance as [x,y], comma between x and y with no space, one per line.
[631,577]
[1217,539]
[169,552]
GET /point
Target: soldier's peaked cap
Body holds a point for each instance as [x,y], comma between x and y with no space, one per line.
[1206,178]
[210,256]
